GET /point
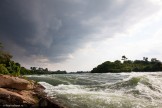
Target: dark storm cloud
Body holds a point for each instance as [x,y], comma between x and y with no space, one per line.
[55,28]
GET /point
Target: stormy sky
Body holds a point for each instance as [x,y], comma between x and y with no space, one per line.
[78,35]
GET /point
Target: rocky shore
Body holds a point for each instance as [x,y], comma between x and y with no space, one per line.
[20,92]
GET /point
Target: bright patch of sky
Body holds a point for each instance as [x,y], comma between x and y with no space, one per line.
[142,39]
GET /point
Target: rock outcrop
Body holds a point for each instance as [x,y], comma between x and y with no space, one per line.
[19,92]
[9,97]
[8,81]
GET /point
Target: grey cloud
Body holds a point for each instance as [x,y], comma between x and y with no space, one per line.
[56,28]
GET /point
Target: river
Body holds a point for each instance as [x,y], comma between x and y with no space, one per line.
[104,90]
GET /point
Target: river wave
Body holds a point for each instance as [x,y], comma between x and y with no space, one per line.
[121,90]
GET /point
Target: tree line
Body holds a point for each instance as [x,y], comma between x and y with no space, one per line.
[39,70]
[129,66]
[8,66]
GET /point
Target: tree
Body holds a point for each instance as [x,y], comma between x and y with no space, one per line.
[33,68]
[145,59]
[46,69]
[24,71]
[124,58]
[14,68]
[128,66]
[118,62]
[4,57]
[7,66]
[3,69]
[154,60]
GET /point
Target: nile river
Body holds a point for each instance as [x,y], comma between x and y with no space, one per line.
[104,90]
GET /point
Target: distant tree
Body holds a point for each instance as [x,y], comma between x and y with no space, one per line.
[124,58]
[46,69]
[145,59]
[40,70]
[118,62]
[59,72]
[33,68]
[154,60]
[24,71]
[128,66]
[128,62]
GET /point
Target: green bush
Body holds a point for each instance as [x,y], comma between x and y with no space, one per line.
[3,69]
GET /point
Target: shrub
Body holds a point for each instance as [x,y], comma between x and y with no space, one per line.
[3,69]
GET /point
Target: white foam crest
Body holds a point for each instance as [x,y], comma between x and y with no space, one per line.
[38,75]
[138,74]
[154,90]
[46,85]
[73,89]
[118,98]
[49,89]
[149,86]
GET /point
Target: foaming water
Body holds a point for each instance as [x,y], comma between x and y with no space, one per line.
[122,90]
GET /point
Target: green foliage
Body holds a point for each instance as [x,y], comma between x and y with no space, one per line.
[108,66]
[35,70]
[14,68]
[7,66]
[59,72]
[25,71]
[128,66]
[3,69]
[4,57]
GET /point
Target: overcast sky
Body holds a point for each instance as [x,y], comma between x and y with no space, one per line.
[76,35]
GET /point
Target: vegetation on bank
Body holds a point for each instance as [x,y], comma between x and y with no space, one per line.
[8,66]
[129,66]
[36,70]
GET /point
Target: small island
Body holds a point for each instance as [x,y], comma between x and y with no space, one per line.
[129,66]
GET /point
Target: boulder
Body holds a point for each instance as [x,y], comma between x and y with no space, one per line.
[19,92]
[8,81]
[8,96]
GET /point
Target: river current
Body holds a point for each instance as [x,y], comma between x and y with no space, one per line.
[104,90]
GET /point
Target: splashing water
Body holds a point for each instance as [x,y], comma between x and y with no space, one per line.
[107,90]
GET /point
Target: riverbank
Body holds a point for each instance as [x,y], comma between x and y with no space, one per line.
[20,92]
